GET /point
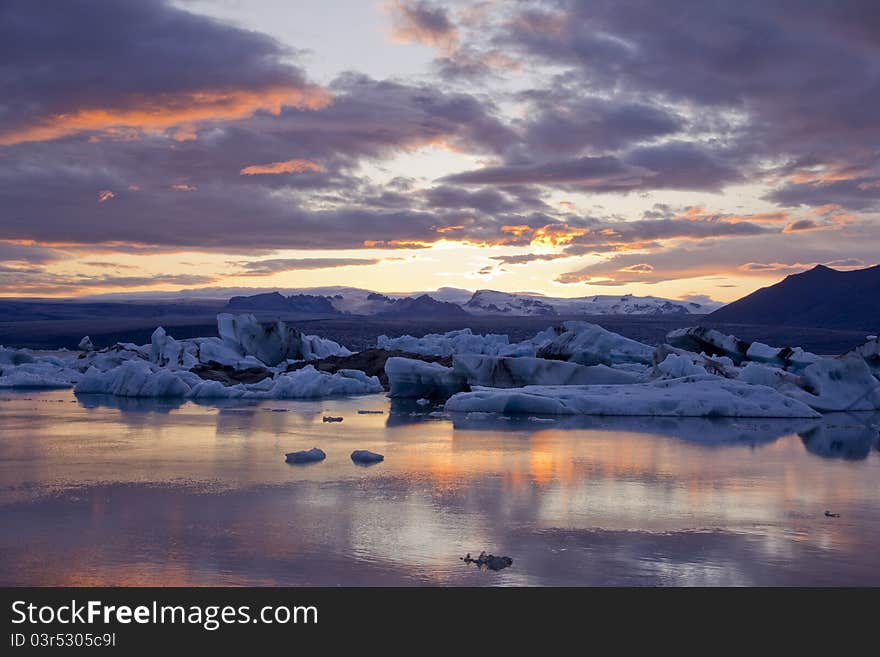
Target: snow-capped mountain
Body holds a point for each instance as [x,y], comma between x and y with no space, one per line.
[358,301]
[491,302]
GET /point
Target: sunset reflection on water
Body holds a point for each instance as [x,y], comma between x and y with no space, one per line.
[135,492]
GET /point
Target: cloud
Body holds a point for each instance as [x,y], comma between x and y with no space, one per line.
[525,258]
[424,22]
[287,166]
[119,69]
[674,165]
[279,265]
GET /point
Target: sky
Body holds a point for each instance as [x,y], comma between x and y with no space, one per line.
[684,149]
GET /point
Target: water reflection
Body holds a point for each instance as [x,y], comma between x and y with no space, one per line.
[849,436]
[198,494]
[703,431]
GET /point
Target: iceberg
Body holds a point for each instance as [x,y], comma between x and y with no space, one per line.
[447,344]
[693,396]
[274,343]
[165,351]
[830,384]
[715,343]
[418,379]
[507,372]
[86,344]
[305,383]
[134,378]
[870,353]
[590,344]
[271,344]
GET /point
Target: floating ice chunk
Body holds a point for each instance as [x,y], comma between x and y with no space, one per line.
[416,378]
[111,357]
[715,343]
[829,384]
[695,396]
[165,351]
[870,353]
[675,366]
[590,344]
[718,365]
[309,383]
[216,390]
[312,455]
[9,356]
[134,378]
[454,342]
[86,344]
[314,347]
[366,457]
[505,372]
[271,344]
[37,375]
[709,341]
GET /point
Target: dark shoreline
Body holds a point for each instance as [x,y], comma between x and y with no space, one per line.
[358,333]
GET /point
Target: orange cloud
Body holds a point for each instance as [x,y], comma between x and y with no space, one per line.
[105,195]
[287,166]
[830,173]
[698,213]
[447,229]
[183,188]
[156,114]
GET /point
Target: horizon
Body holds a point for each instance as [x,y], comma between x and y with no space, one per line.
[570,149]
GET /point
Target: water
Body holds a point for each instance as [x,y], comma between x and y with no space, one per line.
[138,492]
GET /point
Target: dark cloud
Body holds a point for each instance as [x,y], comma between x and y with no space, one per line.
[674,165]
[95,64]
[278,265]
[426,22]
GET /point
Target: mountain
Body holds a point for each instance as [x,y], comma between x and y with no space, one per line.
[338,299]
[424,307]
[275,301]
[821,298]
[492,302]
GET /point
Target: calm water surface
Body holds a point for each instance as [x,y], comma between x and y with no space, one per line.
[129,492]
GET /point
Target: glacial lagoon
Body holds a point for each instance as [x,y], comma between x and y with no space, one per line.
[114,491]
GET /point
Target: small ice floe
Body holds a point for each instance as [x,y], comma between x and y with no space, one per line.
[544,420]
[828,514]
[330,418]
[366,457]
[423,401]
[489,561]
[312,455]
[371,412]
[440,414]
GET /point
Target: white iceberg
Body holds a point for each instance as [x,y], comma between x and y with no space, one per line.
[134,378]
[870,353]
[416,378]
[590,344]
[165,351]
[305,383]
[37,375]
[695,396]
[86,344]
[447,344]
[506,372]
[829,384]
[275,343]
[715,343]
